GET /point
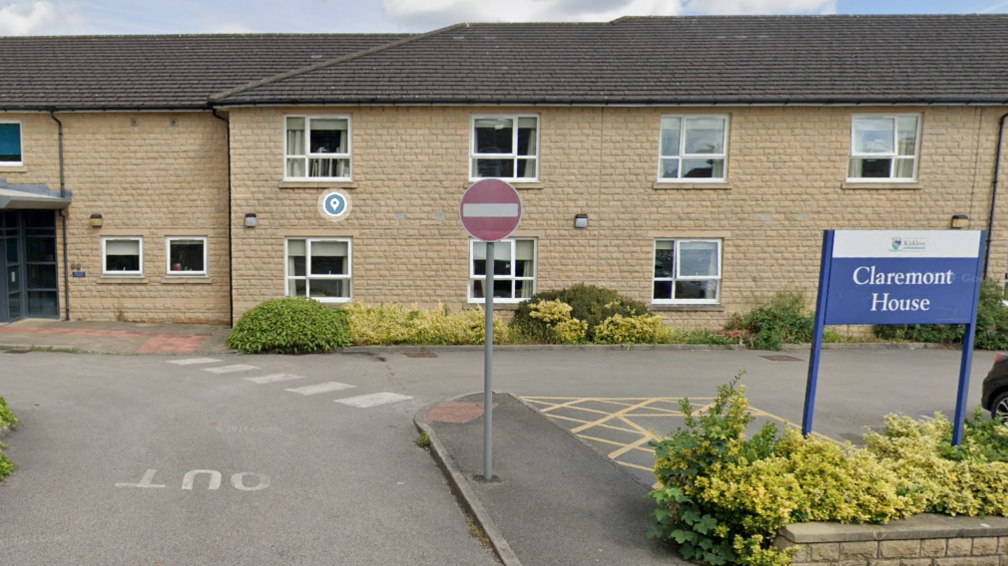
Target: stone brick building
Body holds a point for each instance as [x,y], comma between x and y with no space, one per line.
[154,178]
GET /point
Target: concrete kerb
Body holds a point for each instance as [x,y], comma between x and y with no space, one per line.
[461,488]
[23,348]
[378,350]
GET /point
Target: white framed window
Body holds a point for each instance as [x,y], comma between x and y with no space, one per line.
[884,147]
[186,257]
[504,147]
[319,268]
[122,256]
[514,270]
[10,143]
[686,271]
[317,147]
[693,148]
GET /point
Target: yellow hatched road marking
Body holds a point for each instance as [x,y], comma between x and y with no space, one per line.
[615,415]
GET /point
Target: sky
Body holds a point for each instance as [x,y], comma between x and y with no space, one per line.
[61,17]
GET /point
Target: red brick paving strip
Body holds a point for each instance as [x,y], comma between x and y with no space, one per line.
[456,413]
[157,343]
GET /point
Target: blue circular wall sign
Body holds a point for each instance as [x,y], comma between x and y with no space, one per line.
[334,205]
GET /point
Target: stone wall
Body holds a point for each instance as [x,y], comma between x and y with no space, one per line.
[922,540]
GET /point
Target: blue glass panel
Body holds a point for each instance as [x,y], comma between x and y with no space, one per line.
[10,142]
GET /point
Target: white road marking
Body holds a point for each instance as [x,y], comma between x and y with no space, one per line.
[145,481]
[373,400]
[193,361]
[273,378]
[320,388]
[230,369]
[236,481]
[190,477]
[490,210]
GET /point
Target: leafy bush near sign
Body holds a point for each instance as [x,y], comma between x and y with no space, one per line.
[292,325]
[780,320]
[991,326]
[588,303]
[391,324]
[723,496]
[7,421]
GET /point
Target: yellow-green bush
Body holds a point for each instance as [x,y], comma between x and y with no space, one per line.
[389,324]
[557,316]
[640,329]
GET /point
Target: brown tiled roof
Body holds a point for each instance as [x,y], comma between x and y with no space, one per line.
[704,60]
[656,60]
[176,71]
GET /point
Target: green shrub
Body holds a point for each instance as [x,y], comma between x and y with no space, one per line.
[640,329]
[292,325]
[590,304]
[7,418]
[557,316]
[391,324]
[781,320]
[991,327]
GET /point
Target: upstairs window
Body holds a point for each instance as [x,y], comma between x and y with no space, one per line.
[317,147]
[692,148]
[884,147]
[505,147]
[10,143]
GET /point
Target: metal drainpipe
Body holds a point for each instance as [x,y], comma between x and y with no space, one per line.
[994,192]
[62,215]
[230,247]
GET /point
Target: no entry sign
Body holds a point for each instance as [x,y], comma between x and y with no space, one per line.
[490,210]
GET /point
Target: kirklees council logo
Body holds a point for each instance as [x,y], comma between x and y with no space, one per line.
[334,205]
[900,244]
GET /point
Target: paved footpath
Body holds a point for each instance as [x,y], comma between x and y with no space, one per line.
[115,337]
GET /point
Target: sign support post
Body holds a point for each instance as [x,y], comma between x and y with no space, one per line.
[969,337]
[488,367]
[819,330]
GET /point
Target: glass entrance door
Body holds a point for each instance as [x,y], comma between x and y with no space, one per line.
[28,263]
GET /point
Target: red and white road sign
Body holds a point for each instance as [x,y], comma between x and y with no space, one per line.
[491,210]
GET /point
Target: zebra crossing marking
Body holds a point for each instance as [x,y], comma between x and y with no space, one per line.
[327,387]
[193,361]
[274,378]
[230,369]
[373,400]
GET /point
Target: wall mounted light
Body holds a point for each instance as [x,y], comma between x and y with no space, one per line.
[96,221]
[581,221]
[251,221]
[960,221]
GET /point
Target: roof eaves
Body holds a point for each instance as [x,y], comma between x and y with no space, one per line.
[323,64]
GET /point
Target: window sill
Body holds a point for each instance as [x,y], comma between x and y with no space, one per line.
[880,185]
[520,185]
[660,186]
[473,305]
[687,308]
[317,185]
[13,169]
[187,280]
[122,280]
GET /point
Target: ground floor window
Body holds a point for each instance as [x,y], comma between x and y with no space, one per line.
[319,268]
[686,271]
[514,270]
[187,256]
[122,256]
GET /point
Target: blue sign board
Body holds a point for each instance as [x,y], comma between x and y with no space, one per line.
[883,277]
[79,274]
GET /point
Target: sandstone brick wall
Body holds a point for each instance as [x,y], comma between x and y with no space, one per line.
[785,184]
[146,177]
[954,551]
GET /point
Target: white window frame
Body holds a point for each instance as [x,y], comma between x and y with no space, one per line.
[20,143]
[169,240]
[104,242]
[308,155]
[892,157]
[513,278]
[677,277]
[682,156]
[513,155]
[308,275]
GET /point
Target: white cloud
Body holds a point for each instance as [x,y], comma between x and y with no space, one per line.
[40,18]
[421,13]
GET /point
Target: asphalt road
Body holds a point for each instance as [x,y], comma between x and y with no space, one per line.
[282,477]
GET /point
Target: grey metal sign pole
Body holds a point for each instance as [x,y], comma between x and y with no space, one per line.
[488,292]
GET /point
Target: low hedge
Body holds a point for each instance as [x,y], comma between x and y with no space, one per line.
[292,325]
[391,324]
[7,420]
[724,496]
[589,304]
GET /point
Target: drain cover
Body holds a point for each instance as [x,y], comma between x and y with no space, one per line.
[781,358]
[421,355]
